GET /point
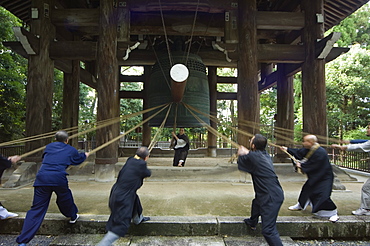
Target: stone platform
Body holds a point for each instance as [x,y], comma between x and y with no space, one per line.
[203,203]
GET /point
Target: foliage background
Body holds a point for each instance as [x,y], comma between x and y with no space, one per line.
[348,90]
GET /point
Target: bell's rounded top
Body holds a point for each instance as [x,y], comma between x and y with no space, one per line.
[179,73]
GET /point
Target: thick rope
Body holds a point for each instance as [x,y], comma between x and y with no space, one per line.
[122,135]
[215,132]
[157,134]
[160,64]
[165,34]
[99,125]
[192,33]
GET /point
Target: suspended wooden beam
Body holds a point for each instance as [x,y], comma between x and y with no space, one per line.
[150,23]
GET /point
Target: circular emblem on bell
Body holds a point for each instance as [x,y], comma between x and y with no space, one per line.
[179,73]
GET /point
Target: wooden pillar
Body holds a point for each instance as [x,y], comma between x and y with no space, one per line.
[313,71]
[284,128]
[212,139]
[146,128]
[71,95]
[248,98]
[40,80]
[108,92]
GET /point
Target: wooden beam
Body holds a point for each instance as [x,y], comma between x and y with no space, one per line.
[279,20]
[150,23]
[177,23]
[128,78]
[280,53]
[292,69]
[268,82]
[73,50]
[17,47]
[324,46]
[335,52]
[131,94]
[226,96]
[88,79]
[226,80]
[75,17]
[30,43]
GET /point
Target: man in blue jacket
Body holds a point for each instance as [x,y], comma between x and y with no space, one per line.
[52,177]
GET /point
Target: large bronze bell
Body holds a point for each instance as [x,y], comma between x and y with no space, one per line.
[195,94]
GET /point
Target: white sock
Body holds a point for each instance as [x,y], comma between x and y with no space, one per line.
[3,213]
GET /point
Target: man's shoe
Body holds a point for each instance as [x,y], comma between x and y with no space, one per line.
[334,218]
[361,211]
[296,207]
[144,219]
[248,222]
[74,221]
[9,215]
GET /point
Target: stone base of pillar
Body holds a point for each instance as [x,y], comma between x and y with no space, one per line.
[105,169]
[212,151]
[24,174]
[104,172]
[281,158]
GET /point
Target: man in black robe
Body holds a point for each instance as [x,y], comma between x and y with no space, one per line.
[314,161]
[268,192]
[180,143]
[4,164]
[124,203]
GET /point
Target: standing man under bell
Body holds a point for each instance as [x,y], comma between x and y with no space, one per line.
[180,143]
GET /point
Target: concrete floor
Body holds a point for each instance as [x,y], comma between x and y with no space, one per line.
[205,187]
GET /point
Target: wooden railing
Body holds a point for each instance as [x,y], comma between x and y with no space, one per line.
[352,160]
[12,150]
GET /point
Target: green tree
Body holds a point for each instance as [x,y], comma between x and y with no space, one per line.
[355,28]
[57,107]
[13,70]
[348,90]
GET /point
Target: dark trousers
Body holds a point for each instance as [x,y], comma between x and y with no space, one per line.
[180,154]
[268,213]
[318,195]
[121,214]
[40,204]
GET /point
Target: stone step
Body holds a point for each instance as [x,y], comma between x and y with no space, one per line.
[185,226]
[89,239]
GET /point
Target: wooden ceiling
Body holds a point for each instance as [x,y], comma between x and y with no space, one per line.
[148,22]
[279,22]
[335,10]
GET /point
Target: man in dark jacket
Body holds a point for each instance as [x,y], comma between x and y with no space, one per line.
[268,192]
[314,161]
[4,164]
[124,203]
[52,177]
